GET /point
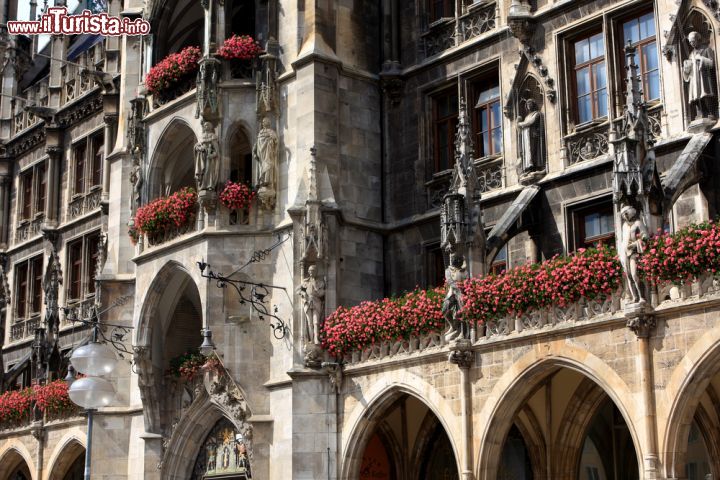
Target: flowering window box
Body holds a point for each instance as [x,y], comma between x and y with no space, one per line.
[239,53]
[237,197]
[166,217]
[174,75]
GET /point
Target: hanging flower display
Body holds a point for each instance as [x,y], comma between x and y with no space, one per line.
[172,69]
[591,274]
[237,195]
[16,406]
[239,47]
[682,256]
[166,214]
[191,364]
[53,399]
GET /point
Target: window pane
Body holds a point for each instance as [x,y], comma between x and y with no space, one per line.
[75,274]
[40,197]
[495,118]
[27,181]
[79,169]
[485,144]
[21,275]
[583,81]
[97,159]
[489,94]
[647,26]
[584,109]
[601,103]
[631,31]
[600,74]
[652,85]
[650,56]
[483,114]
[497,140]
[597,46]
[92,256]
[582,51]
[37,291]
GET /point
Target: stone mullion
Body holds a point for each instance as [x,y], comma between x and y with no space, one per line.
[5,180]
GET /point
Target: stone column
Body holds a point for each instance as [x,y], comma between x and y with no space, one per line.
[641,321]
[462,355]
[110,109]
[52,182]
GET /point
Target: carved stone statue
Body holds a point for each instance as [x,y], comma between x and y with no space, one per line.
[207,159]
[265,155]
[634,236]
[51,284]
[531,138]
[312,292]
[137,180]
[455,274]
[698,73]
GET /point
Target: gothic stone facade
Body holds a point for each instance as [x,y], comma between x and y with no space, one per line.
[362,101]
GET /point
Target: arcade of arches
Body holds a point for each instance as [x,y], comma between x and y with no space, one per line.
[567,428]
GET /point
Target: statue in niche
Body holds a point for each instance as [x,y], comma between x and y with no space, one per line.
[699,73]
[207,155]
[632,245]
[137,180]
[51,284]
[312,292]
[532,137]
[455,274]
[265,155]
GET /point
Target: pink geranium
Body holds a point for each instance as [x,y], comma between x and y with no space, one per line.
[172,69]
[241,47]
[237,195]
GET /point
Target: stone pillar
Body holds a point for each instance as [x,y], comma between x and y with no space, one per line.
[462,355]
[642,322]
[110,117]
[52,182]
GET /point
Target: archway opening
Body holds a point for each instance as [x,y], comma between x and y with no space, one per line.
[13,467]
[77,469]
[179,24]
[70,465]
[405,440]
[173,165]
[225,454]
[240,15]
[558,424]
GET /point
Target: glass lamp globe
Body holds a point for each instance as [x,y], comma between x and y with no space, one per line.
[91,392]
[94,359]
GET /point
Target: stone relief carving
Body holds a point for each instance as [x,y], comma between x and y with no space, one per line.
[699,75]
[207,163]
[265,155]
[206,93]
[588,146]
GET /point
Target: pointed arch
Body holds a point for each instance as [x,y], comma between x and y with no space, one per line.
[683,393]
[172,162]
[67,451]
[512,389]
[16,457]
[365,417]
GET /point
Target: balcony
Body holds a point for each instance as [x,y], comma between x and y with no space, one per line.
[24,328]
[29,229]
[82,204]
[490,172]
[478,18]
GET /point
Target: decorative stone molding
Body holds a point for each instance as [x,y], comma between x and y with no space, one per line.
[79,111]
[588,145]
[461,354]
[640,319]
[27,141]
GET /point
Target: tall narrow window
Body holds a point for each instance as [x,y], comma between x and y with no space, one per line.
[488,119]
[82,264]
[79,168]
[590,78]
[26,185]
[41,171]
[36,267]
[445,118]
[21,287]
[75,270]
[594,225]
[640,33]
[97,159]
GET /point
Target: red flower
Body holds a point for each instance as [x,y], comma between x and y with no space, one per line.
[172,69]
[237,196]
[165,213]
[241,47]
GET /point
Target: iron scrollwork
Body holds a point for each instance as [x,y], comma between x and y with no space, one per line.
[116,334]
[256,297]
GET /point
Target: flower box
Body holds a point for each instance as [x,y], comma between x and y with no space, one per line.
[239,53]
[166,217]
[176,71]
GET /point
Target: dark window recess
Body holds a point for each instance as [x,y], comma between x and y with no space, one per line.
[640,33]
[21,287]
[93,243]
[28,287]
[435,267]
[82,266]
[27,182]
[590,78]
[594,225]
[439,9]
[75,270]
[36,267]
[445,118]
[499,264]
[41,188]
[79,158]
[97,159]
[487,121]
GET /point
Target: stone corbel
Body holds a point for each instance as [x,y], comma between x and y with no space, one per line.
[640,319]
[461,354]
[520,20]
[392,86]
